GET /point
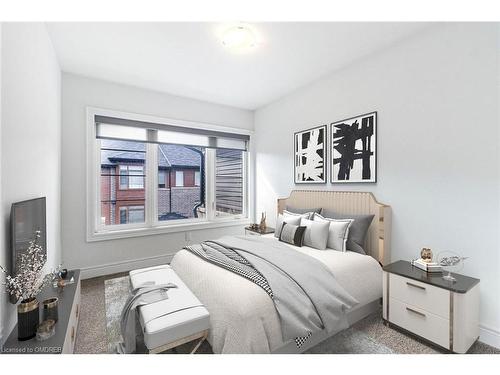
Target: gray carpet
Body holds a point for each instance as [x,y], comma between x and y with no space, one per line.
[102,299]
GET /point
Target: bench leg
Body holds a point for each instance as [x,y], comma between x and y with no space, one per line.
[199,343]
[201,336]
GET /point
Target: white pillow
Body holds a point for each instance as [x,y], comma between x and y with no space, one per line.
[293,219]
[338,231]
[307,215]
[316,234]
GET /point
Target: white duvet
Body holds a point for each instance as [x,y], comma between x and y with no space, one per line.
[242,316]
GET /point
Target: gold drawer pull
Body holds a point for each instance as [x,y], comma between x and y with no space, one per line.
[72,334]
[415,285]
[415,312]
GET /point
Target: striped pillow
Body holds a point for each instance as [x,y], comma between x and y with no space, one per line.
[292,234]
[290,218]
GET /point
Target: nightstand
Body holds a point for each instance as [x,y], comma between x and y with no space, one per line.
[258,232]
[425,304]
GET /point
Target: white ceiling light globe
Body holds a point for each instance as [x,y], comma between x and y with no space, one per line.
[239,38]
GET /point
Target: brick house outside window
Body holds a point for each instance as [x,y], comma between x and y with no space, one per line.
[123,181]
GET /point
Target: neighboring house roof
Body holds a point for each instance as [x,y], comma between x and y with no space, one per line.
[115,152]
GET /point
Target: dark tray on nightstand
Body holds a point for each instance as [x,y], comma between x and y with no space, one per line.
[267,230]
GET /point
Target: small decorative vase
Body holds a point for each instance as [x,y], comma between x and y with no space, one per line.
[50,309]
[28,318]
[263,225]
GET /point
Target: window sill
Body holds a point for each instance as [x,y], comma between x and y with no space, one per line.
[173,228]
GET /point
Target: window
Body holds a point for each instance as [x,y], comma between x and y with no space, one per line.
[179,178]
[183,202]
[162,179]
[123,215]
[136,179]
[131,177]
[132,214]
[154,175]
[123,177]
[122,180]
[136,214]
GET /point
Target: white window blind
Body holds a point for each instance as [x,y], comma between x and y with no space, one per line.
[115,128]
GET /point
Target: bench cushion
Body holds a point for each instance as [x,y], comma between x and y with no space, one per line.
[180,315]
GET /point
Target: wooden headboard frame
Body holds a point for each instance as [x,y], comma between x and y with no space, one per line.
[378,238]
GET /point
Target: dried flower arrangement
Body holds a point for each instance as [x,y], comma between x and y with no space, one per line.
[29,280]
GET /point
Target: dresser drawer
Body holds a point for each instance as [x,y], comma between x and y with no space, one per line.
[70,340]
[424,296]
[423,323]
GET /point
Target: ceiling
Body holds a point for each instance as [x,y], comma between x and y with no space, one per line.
[188,59]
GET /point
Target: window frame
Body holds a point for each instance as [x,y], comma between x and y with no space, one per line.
[120,176]
[123,209]
[177,179]
[135,208]
[96,231]
[127,209]
[132,176]
[164,174]
[126,167]
[197,181]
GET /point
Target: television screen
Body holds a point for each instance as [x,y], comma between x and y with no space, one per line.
[27,217]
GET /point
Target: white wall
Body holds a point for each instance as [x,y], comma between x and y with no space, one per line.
[438,163]
[98,258]
[3,255]
[31,136]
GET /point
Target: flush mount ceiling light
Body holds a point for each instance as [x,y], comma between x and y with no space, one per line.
[239,38]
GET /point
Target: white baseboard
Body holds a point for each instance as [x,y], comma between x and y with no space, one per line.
[124,266]
[489,336]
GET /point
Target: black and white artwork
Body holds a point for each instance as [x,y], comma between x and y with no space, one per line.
[310,156]
[354,149]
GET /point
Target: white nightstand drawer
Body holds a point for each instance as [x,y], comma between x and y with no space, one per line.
[424,296]
[420,322]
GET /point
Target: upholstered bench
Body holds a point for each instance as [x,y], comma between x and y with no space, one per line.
[174,321]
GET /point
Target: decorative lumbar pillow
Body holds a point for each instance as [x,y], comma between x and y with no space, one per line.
[338,232]
[302,210]
[357,231]
[290,218]
[292,234]
[316,233]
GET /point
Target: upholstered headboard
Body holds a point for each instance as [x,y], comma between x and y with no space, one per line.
[378,238]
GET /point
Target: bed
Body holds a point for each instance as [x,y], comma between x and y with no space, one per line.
[243,319]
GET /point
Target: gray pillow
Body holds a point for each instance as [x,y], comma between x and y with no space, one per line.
[302,210]
[292,234]
[291,219]
[357,230]
[316,234]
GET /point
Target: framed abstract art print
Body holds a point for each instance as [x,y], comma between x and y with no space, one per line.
[354,149]
[310,156]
